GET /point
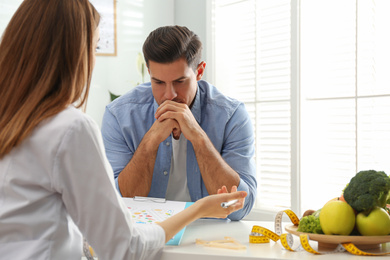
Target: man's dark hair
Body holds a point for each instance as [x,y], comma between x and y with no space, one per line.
[170,43]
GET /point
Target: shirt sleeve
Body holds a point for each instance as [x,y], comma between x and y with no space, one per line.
[238,151]
[84,178]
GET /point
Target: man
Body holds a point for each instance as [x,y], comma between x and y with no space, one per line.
[212,144]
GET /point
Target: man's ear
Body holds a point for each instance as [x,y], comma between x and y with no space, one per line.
[200,70]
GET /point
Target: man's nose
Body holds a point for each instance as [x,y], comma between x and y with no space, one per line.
[170,92]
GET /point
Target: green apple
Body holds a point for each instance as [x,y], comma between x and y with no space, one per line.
[337,218]
[376,223]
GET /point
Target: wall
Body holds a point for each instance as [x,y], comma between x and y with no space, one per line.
[196,16]
[7,9]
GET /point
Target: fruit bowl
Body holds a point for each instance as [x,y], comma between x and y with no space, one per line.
[331,241]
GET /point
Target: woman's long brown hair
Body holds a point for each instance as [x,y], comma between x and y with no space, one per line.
[46,62]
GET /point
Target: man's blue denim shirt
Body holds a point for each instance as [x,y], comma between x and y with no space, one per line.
[225,120]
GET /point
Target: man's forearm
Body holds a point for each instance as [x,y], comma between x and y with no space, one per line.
[214,170]
[136,178]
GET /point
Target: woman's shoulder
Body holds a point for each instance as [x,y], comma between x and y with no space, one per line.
[69,119]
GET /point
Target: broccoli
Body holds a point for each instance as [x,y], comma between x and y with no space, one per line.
[367,189]
[310,224]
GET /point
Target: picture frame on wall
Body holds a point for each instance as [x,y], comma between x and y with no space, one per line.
[107,45]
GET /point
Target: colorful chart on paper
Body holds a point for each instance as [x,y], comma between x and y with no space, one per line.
[149,212]
[144,215]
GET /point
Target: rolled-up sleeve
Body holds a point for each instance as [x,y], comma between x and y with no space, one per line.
[238,151]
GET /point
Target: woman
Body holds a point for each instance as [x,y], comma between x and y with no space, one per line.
[56,184]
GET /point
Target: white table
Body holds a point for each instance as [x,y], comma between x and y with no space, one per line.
[212,229]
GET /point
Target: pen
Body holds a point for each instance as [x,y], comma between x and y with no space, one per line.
[228,204]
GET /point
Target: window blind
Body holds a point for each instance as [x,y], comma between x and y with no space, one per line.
[252,64]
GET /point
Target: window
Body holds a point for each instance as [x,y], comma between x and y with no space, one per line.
[345,65]
[314,79]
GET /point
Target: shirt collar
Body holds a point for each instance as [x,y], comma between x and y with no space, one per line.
[196,108]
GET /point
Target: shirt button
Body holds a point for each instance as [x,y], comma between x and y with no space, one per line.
[165,172]
[167,143]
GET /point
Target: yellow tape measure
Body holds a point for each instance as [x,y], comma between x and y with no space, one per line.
[263,235]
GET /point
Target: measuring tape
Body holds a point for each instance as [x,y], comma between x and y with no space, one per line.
[263,235]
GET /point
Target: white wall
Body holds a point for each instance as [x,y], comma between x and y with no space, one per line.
[135,20]
[193,14]
[7,9]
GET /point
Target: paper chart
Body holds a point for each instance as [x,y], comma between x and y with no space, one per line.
[149,212]
[149,215]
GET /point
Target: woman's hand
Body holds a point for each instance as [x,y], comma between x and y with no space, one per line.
[234,189]
[210,206]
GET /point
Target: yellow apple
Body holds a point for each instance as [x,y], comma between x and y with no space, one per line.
[337,218]
[376,223]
